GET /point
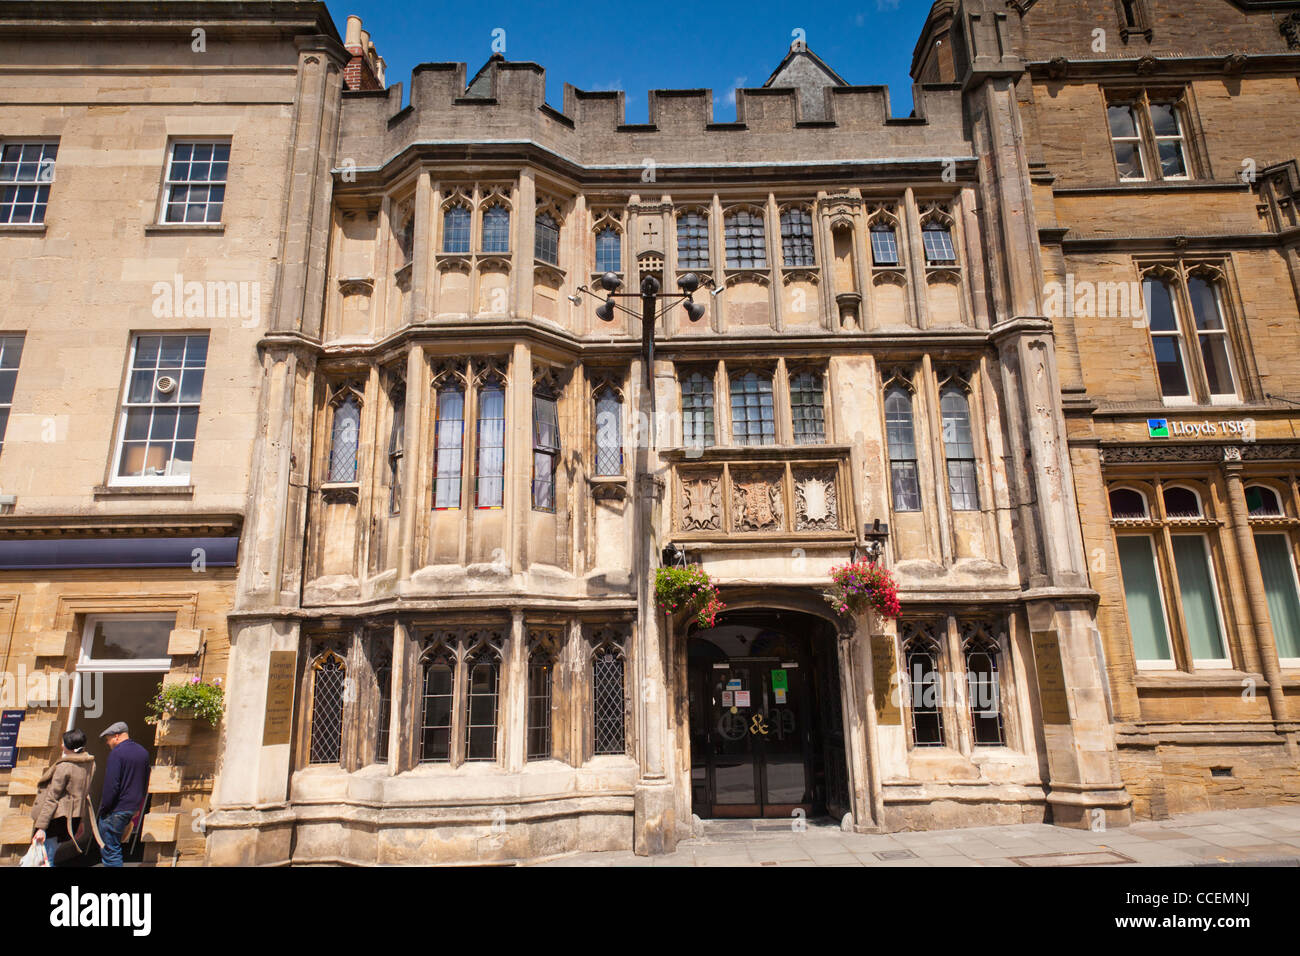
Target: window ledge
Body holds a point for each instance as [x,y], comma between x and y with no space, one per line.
[22,229]
[185,228]
[1207,679]
[138,491]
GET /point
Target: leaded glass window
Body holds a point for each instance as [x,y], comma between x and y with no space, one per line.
[481,704]
[985,692]
[609,250]
[692,241]
[938,243]
[455,230]
[541,673]
[437,698]
[921,657]
[449,435]
[797,238]
[490,487]
[396,451]
[884,244]
[546,239]
[753,421]
[900,435]
[328,675]
[959,449]
[807,408]
[344,434]
[697,410]
[608,703]
[546,450]
[382,661]
[609,433]
[496,228]
[746,240]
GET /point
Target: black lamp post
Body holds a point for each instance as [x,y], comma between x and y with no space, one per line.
[650,297]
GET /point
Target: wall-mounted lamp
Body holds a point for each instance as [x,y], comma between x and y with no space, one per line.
[673,556]
[874,547]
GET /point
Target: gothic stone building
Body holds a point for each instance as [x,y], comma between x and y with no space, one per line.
[1162,141]
[142,221]
[445,645]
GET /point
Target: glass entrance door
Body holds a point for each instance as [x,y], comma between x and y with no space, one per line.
[751,737]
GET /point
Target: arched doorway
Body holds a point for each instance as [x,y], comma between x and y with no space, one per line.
[766,727]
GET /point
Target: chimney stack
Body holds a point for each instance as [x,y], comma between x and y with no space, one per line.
[365,71]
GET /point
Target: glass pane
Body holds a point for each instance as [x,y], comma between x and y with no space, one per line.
[1122,120]
[1200,603]
[1164,119]
[1128,158]
[1146,615]
[130,640]
[1278,570]
[1127,503]
[1169,365]
[1218,369]
[1171,158]
[1262,501]
[1205,305]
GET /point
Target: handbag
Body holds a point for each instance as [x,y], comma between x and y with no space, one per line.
[35,856]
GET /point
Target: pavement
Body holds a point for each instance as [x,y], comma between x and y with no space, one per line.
[1263,836]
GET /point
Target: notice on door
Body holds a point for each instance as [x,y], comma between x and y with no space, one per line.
[742,698]
[279,698]
[9,722]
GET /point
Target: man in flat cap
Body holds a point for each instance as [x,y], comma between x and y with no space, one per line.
[126,783]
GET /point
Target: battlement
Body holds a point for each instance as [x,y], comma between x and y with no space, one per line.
[505,102]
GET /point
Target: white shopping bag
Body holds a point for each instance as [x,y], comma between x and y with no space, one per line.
[35,856]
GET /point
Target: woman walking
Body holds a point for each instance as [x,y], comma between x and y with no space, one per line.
[61,803]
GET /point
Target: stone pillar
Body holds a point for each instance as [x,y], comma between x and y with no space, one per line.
[1256,599]
[857,705]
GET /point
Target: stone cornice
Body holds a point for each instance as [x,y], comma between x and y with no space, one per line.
[193,524]
[71,17]
[1153,69]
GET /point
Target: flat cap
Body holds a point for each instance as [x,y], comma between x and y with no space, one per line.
[116,728]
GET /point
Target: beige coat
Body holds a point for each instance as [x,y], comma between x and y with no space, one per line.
[62,790]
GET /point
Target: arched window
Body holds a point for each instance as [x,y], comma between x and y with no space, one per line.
[1127,503]
[1182,503]
[449,436]
[697,410]
[546,239]
[985,690]
[609,433]
[1212,335]
[383,664]
[609,708]
[692,241]
[438,696]
[752,419]
[901,438]
[959,448]
[482,694]
[1262,501]
[490,483]
[546,449]
[455,230]
[921,657]
[327,683]
[496,228]
[797,238]
[884,244]
[609,250]
[343,439]
[807,408]
[1166,337]
[937,240]
[746,240]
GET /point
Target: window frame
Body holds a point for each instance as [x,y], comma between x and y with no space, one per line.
[793,220]
[704,412]
[41,201]
[168,183]
[607,391]
[541,237]
[489,206]
[1176,277]
[739,376]
[448,232]
[108,665]
[6,408]
[818,389]
[693,262]
[116,479]
[962,390]
[904,387]
[542,399]
[1146,139]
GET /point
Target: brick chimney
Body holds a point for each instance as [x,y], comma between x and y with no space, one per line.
[365,71]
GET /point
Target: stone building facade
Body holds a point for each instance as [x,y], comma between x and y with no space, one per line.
[1162,141]
[445,644]
[145,218]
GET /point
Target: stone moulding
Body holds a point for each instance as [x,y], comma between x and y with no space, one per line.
[1137,454]
[363,285]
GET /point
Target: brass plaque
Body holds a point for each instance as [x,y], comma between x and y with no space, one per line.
[882,665]
[279,698]
[1051,678]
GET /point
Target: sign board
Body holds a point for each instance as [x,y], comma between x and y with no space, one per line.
[780,680]
[9,721]
[1243,428]
[1051,678]
[742,698]
[882,666]
[278,726]
[728,698]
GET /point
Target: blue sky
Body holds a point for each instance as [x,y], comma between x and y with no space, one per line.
[637,47]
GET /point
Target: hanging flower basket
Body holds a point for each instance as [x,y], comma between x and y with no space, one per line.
[688,587]
[193,699]
[861,585]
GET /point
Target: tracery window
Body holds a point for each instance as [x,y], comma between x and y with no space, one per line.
[460,714]
[455,229]
[490,478]
[543,653]
[983,659]
[608,696]
[921,658]
[345,432]
[900,436]
[327,686]
[546,448]
[884,244]
[609,431]
[937,240]
[959,448]
[609,250]
[546,239]
[449,437]
[496,228]
[1205,371]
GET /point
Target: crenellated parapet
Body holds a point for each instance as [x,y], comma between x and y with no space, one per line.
[506,103]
